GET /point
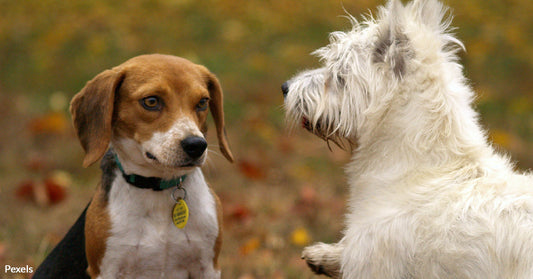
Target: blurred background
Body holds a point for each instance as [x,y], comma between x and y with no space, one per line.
[286,188]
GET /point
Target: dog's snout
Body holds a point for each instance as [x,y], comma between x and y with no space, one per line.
[194,146]
[285,88]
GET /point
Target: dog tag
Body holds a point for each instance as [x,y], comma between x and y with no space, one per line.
[180,214]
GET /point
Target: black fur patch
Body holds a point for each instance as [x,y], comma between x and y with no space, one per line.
[67,260]
[108,165]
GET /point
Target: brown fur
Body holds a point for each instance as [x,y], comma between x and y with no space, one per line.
[218,242]
[108,105]
[97,226]
[92,114]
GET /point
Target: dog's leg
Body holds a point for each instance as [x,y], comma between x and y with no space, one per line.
[324,259]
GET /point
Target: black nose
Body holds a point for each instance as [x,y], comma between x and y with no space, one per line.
[194,146]
[285,88]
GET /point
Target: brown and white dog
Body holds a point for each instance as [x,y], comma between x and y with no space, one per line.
[149,114]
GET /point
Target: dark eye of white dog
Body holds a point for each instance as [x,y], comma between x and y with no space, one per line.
[151,103]
[202,105]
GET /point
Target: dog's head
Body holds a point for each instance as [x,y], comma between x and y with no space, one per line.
[152,109]
[365,69]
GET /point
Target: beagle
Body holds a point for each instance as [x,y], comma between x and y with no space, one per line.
[153,214]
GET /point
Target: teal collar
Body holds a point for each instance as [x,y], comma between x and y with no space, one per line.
[154,183]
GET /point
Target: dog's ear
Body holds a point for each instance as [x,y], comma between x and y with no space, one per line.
[392,45]
[435,16]
[92,113]
[216,105]
[430,13]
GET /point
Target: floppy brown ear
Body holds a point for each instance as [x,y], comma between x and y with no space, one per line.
[92,113]
[217,110]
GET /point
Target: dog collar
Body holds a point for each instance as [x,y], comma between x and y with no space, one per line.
[154,183]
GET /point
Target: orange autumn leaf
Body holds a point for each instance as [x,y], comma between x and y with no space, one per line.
[251,170]
[250,246]
[239,212]
[51,190]
[55,191]
[51,123]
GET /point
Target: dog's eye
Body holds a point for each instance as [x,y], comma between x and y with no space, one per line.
[152,103]
[202,105]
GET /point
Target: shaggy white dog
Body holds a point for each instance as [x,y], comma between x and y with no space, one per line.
[429,196]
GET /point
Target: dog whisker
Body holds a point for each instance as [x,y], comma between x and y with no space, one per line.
[214,152]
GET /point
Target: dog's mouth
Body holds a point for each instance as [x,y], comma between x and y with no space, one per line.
[182,165]
[327,137]
[151,156]
[306,124]
[316,129]
[191,164]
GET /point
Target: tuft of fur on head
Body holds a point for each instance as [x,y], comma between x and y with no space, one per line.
[367,68]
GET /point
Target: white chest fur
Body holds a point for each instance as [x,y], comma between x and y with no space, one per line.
[144,243]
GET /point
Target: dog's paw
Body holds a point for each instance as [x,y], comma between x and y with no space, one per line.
[323,259]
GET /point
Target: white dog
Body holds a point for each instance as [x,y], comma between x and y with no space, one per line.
[429,196]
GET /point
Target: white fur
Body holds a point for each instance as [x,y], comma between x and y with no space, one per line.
[166,148]
[429,197]
[166,145]
[144,243]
